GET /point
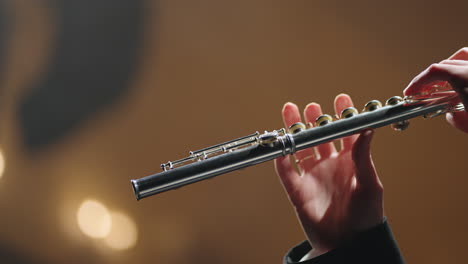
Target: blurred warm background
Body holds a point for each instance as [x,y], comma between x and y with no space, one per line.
[95,93]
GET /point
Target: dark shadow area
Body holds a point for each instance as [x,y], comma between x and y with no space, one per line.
[94,58]
[11,256]
[3,33]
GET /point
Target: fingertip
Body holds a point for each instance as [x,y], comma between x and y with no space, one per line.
[311,108]
[408,90]
[311,112]
[289,106]
[342,95]
[342,98]
[291,114]
[411,87]
[342,101]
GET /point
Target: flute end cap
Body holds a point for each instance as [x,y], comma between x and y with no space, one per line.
[136,189]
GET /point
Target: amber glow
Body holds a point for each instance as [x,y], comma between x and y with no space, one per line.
[123,234]
[2,163]
[94,219]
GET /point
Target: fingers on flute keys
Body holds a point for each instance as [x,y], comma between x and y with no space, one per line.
[453,70]
[311,112]
[343,101]
[459,119]
[456,75]
[291,115]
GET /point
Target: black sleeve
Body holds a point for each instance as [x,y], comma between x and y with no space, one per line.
[376,245]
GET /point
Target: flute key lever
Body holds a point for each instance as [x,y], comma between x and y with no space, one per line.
[257,148]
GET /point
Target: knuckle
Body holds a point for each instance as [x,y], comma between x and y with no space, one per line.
[463,50]
[435,68]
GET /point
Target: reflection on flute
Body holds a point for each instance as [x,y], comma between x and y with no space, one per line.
[257,148]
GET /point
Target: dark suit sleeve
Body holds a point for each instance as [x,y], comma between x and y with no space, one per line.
[376,245]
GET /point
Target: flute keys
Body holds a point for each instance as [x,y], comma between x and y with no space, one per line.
[394,100]
[348,112]
[323,120]
[400,125]
[372,105]
[296,128]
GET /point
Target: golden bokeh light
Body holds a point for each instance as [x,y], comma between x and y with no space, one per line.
[2,163]
[94,219]
[123,234]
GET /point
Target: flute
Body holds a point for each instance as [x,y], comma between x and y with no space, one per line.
[261,147]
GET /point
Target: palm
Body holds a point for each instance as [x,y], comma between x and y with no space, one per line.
[328,202]
[325,189]
[326,193]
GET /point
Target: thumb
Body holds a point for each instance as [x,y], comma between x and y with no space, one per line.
[366,175]
[287,173]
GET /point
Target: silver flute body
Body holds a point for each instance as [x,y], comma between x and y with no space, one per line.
[258,148]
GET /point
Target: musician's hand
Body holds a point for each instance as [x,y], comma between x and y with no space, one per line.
[453,70]
[336,194]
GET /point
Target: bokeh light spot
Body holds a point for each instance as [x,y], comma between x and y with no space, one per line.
[94,219]
[2,163]
[123,234]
